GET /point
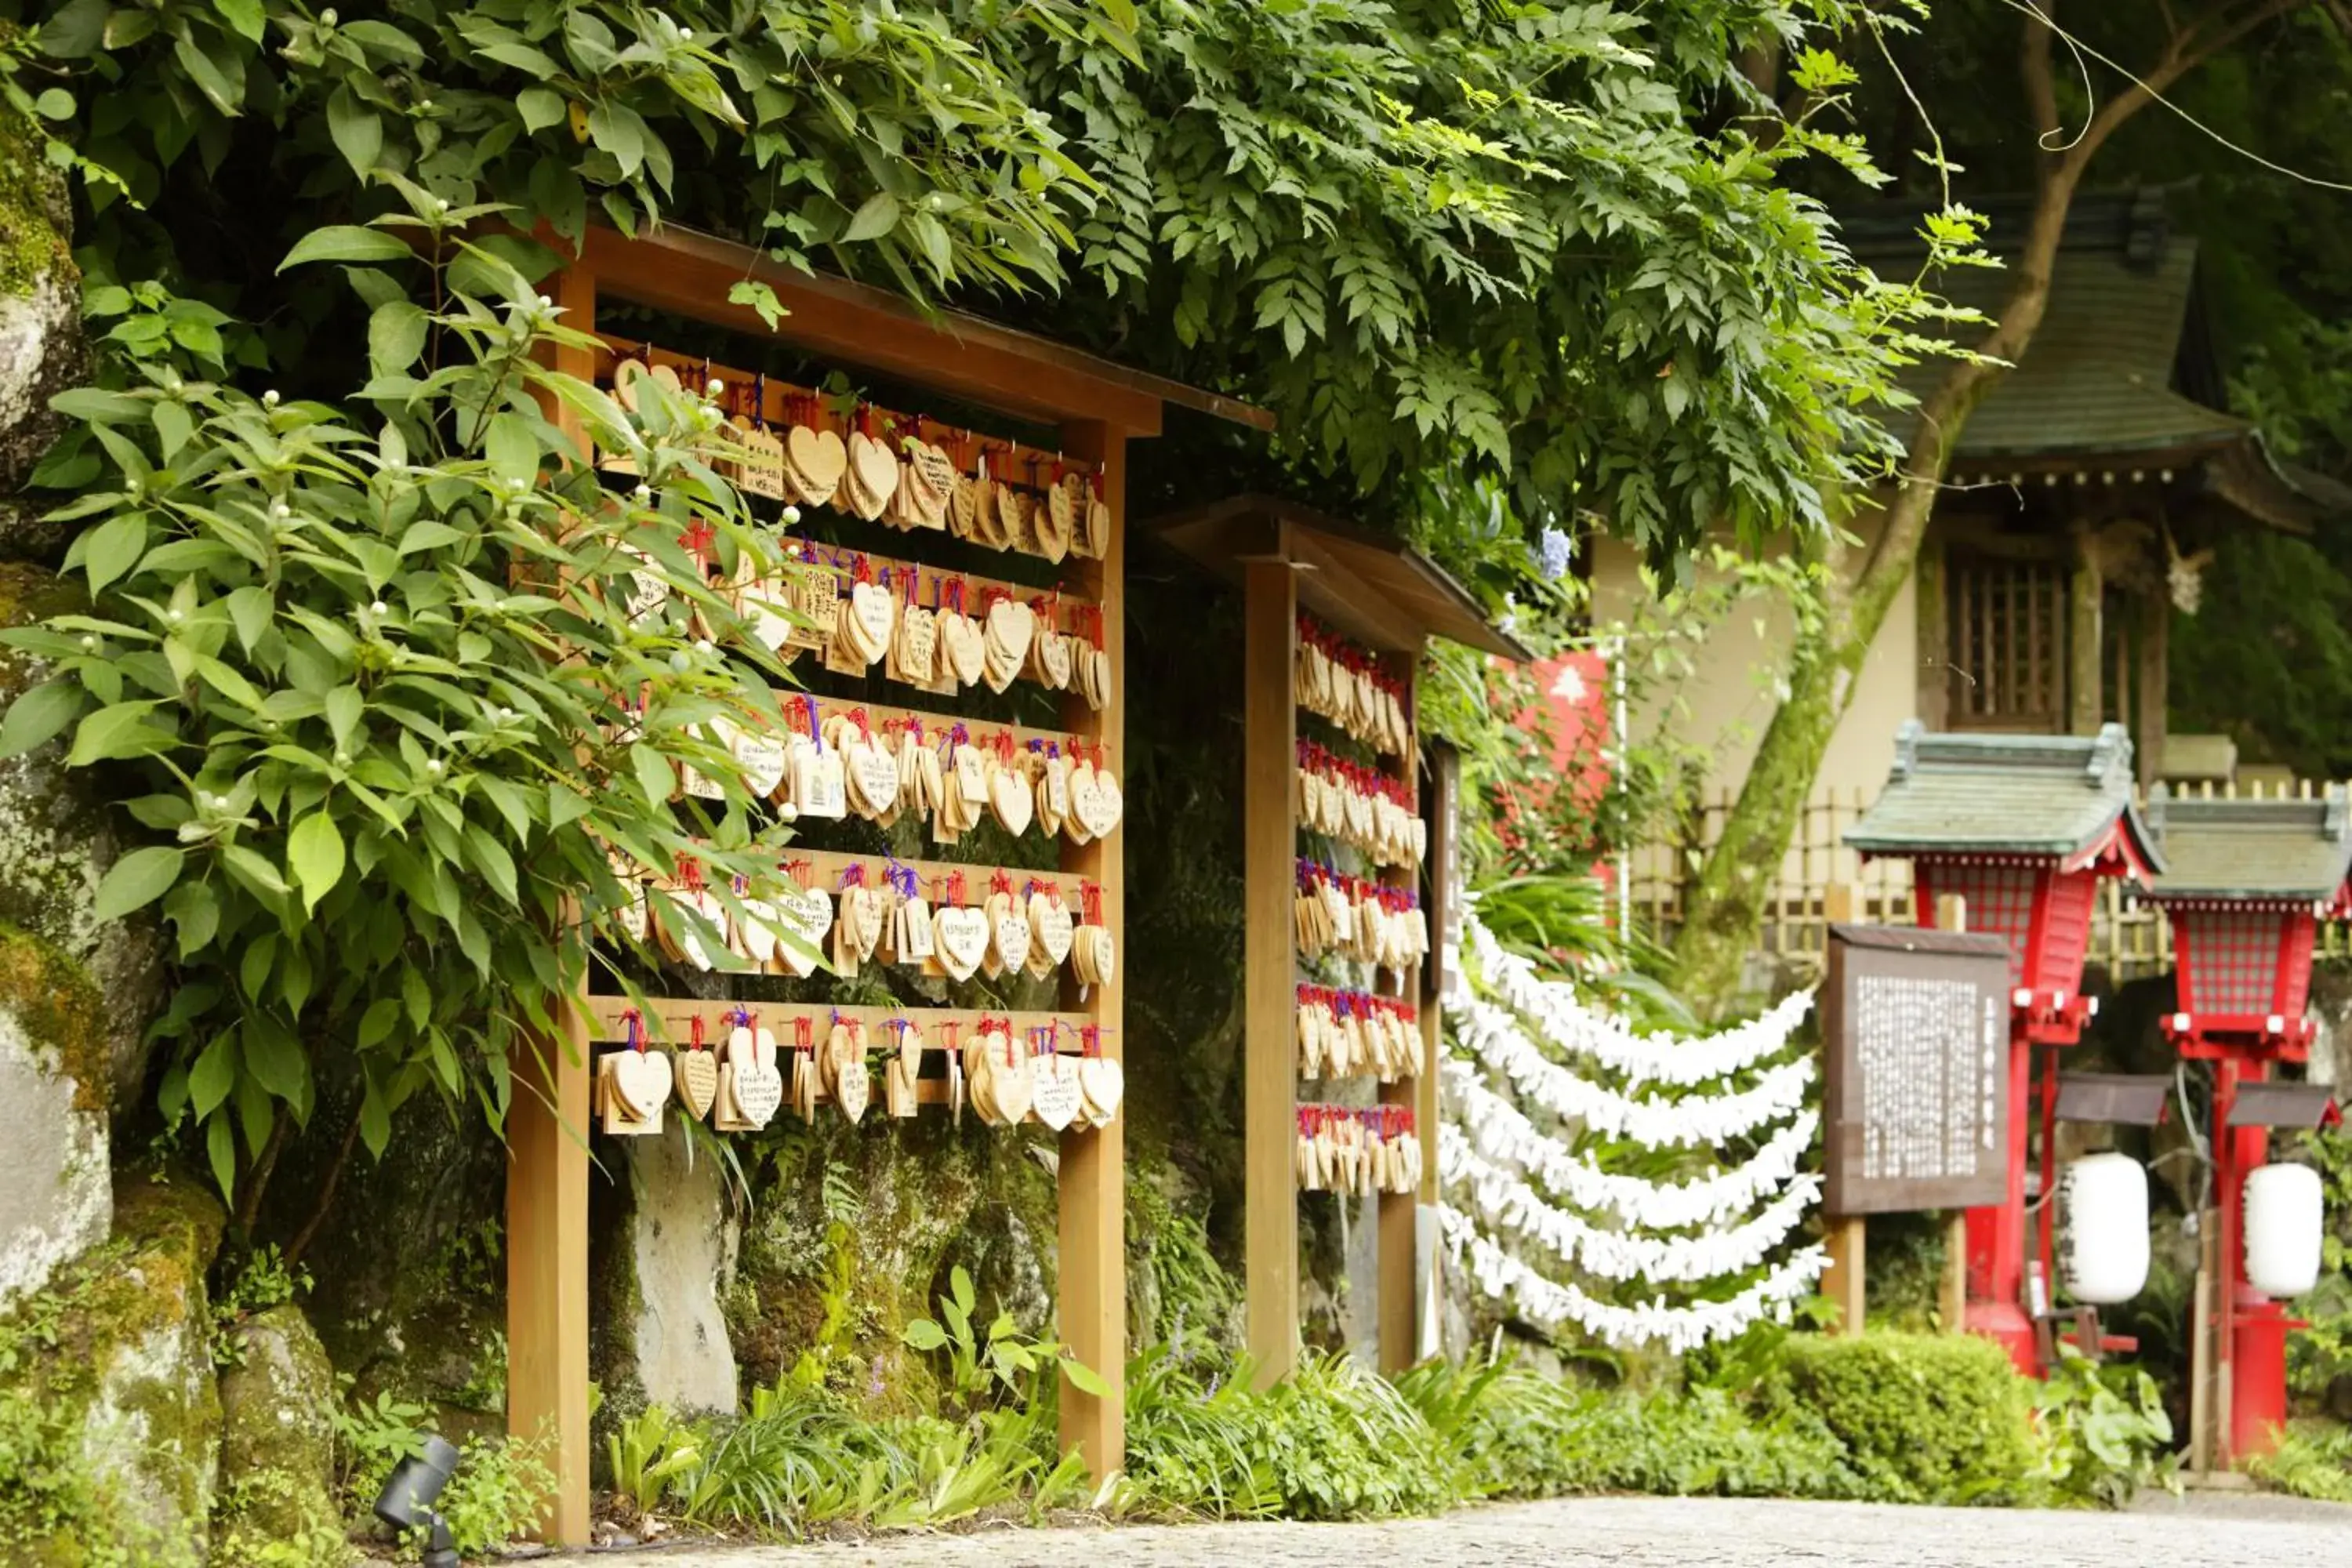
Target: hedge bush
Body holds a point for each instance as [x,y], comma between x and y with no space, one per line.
[1923,1418]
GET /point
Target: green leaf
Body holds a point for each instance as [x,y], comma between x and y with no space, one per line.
[276,1062]
[377,1023]
[346,242]
[55,103]
[220,1148]
[244,15]
[40,715]
[250,610]
[225,94]
[925,1334]
[136,880]
[512,448]
[213,1075]
[1084,1378]
[491,858]
[121,731]
[358,131]
[877,217]
[540,107]
[396,334]
[654,774]
[252,869]
[345,705]
[113,549]
[314,853]
[195,913]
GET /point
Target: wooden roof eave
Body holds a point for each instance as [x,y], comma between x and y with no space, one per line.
[690,273]
[1375,590]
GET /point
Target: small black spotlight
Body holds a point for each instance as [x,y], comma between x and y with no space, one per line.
[406,1500]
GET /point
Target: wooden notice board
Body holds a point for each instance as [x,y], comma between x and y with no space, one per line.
[1914,1026]
[1095,407]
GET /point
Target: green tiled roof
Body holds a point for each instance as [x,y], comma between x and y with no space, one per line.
[2297,850]
[2016,794]
[2103,373]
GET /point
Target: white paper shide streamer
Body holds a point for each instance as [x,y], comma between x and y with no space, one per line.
[1526,1194]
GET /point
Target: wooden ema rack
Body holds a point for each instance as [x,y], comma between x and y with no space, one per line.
[1098,407]
[1373,591]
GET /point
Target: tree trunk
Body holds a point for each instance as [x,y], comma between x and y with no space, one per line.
[1724,913]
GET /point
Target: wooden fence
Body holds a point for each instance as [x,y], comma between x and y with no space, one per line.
[2129,939]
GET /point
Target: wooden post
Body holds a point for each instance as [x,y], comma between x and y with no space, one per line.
[2154,682]
[1093,1185]
[1269,868]
[1845,1281]
[1399,1211]
[1952,1292]
[2085,590]
[546,1170]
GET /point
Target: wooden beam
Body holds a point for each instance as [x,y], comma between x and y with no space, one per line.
[1846,1282]
[690,274]
[2085,588]
[1093,1185]
[2155,682]
[1400,1302]
[1269,859]
[547,1173]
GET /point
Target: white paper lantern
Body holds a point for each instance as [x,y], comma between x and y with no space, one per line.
[2103,1248]
[2283,1227]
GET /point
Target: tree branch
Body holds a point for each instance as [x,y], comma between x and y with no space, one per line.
[303,1238]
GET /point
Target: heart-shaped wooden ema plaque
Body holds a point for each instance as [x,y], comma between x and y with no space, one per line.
[965,645]
[697,1081]
[1104,810]
[764,756]
[853,1087]
[876,773]
[1012,937]
[643,1080]
[759,1089]
[936,477]
[866,909]
[755,934]
[877,466]
[1098,532]
[1103,1083]
[961,936]
[873,614]
[1011,1084]
[1009,797]
[806,915]
[818,460]
[1011,625]
[1050,923]
[1054,653]
[1102,953]
[1054,1093]
[918,641]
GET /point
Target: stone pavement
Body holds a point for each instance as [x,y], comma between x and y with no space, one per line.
[1642,1532]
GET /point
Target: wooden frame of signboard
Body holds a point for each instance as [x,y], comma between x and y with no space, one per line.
[1098,407]
[1390,601]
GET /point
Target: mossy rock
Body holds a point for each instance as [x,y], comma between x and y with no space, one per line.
[109,1416]
[57,840]
[43,351]
[277,1434]
[53,1102]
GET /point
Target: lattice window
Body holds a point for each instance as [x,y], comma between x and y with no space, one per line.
[2006,642]
[2232,961]
[2000,900]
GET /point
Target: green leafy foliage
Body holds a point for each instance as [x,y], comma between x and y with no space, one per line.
[364,678]
[994,1362]
[265,1281]
[2103,1430]
[646,1453]
[1923,1418]
[2313,1459]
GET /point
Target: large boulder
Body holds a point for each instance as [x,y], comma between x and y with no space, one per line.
[42,349]
[108,1401]
[57,840]
[278,1448]
[54,1084]
[664,1337]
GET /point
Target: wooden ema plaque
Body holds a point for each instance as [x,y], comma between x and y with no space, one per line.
[1914,1034]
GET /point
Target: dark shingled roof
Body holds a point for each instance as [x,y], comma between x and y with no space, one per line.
[2295,851]
[2120,368]
[2008,795]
